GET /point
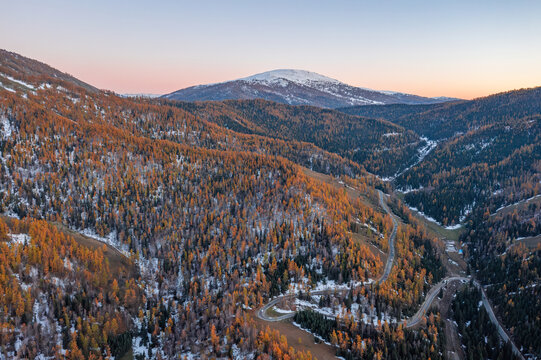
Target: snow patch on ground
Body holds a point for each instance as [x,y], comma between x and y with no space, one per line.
[450,246]
[190,356]
[517,203]
[44,86]
[20,239]
[110,239]
[331,285]
[7,130]
[409,189]
[7,88]
[30,86]
[421,153]
[431,219]
[138,347]
[40,312]
[282,311]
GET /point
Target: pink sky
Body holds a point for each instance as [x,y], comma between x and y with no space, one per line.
[461,49]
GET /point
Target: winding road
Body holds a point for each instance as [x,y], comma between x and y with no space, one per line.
[412,321]
[420,314]
[262,313]
[415,319]
[494,319]
[430,296]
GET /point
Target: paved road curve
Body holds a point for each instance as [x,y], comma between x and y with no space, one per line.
[495,321]
[415,319]
[262,313]
[418,316]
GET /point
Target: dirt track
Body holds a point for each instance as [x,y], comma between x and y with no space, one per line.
[452,341]
[293,334]
[118,263]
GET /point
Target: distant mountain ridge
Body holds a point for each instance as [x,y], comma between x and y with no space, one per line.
[297,87]
[441,121]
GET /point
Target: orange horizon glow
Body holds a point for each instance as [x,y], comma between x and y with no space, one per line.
[459,49]
[132,80]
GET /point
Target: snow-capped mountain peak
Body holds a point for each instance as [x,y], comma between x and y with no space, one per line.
[295,87]
[297,76]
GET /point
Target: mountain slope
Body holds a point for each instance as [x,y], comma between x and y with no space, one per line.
[487,152]
[296,87]
[393,112]
[505,252]
[489,167]
[76,100]
[445,120]
[28,71]
[380,146]
[215,222]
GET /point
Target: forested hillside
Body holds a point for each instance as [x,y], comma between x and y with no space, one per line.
[487,152]
[441,121]
[505,249]
[478,335]
[393,113]
[490,157]
[140,117]
[209,211]
[60,297]
[213,221]
[485,173]
[491,166]
[364,342]
[381,147]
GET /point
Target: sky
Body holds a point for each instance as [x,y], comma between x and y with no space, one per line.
[457,48]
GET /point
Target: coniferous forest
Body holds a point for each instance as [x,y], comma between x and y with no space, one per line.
[150,228]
